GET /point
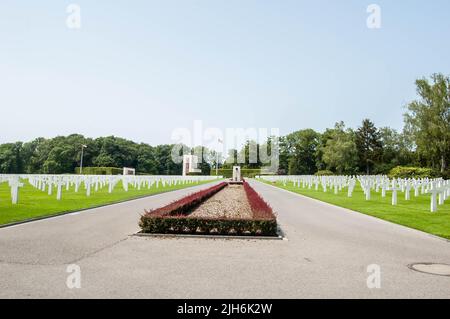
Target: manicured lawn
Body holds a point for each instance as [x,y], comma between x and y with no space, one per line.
[414,213]
[35,203]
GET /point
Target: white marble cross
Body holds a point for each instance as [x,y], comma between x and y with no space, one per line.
[50,187]
[433,204]
[384,186]
[351,187]
[15,184]
[394,189]
[110,185]
[125,184]
[77,185]
[365,185]
[59,185]
[416,185]
[433,191]
[87,183]
[407,189]
[442,190]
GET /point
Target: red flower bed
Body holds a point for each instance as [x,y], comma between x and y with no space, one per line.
[260,209]
[184,205]
[174,218]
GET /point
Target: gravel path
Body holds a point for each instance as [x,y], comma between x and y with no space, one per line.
[231,202]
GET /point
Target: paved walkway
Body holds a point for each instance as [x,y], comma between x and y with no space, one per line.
[326,255]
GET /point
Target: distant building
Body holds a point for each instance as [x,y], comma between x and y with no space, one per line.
[129,171]
[190,163]
[236,174]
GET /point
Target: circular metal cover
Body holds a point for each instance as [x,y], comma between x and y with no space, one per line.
[432,268]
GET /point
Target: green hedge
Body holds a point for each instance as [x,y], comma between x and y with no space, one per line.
[100,171]
[174,218]
[195,174]
[324,173]
[245,172]
[187,225]
[411,172]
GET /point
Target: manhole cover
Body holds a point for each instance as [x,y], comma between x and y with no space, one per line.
[430,268]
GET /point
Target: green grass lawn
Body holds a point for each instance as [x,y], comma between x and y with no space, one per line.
[414,213]
[35,203]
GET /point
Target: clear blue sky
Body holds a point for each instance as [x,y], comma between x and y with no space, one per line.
[139,69]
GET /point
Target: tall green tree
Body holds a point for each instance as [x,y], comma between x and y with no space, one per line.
[165,164]
[323,139]
[146,160]
[368,144]
[206,158]
[428,120]
[250,153]
[340,153]
[396,150]
[285,155]
[302,147]
[10,158]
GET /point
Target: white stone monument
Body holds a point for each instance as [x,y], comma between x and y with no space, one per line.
[190,164]
[236,174]
[129,171]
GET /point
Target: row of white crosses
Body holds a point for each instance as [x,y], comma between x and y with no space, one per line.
[93,183]
[14,184]
[438,188]
[441,189]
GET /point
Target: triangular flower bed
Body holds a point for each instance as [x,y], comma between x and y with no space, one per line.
[175,218]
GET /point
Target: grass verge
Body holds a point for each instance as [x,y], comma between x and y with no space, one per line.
[34,203]
[414,213]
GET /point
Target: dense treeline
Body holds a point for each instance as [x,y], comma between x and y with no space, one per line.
[341,150]
[367,149]
[62,154]
[424,141]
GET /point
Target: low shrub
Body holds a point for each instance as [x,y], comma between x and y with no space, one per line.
[245,172]
[324,173]
[99,171]
[411,172]
[382,169]
[260,209]
[186,204]
[215,226]
[195,174]
[446,174]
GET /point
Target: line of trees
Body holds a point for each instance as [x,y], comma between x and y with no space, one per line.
[341,150]
[424,142]
[62,154]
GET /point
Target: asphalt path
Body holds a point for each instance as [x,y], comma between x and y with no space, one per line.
[329,252]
